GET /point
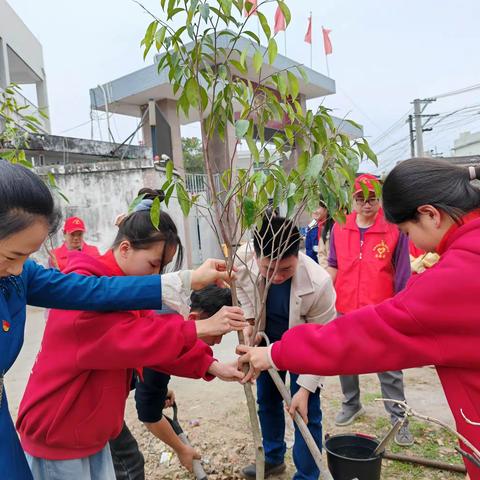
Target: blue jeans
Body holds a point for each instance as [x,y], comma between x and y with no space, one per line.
[272,422]
[94,467]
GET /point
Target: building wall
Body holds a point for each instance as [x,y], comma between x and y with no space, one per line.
[21,61]
[98,193]
[467,144]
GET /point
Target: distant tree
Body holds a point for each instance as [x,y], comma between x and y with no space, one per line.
[193,155]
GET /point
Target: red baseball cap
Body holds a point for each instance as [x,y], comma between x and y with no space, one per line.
[74,224]
[365,179]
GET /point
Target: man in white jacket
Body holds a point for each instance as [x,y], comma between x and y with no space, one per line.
[300,291]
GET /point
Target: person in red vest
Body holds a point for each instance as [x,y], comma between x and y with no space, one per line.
[369,262]
[74,231]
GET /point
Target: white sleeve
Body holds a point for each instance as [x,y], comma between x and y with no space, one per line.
[176,289]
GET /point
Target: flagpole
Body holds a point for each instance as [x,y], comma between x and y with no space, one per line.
[311,44]
[328,68]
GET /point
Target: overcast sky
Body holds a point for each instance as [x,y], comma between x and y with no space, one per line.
[385,54]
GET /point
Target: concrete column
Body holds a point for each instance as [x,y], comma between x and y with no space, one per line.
[168,108]
[146,132]
[42,99]
[221,150]
[4,68]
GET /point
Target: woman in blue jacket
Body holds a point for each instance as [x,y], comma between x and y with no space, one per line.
[27,217]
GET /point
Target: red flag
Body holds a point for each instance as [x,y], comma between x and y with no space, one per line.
[280,24]
[253,10]
[308,35]
[327,44]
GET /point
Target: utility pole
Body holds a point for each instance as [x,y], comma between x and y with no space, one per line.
[412,138]
[419,126]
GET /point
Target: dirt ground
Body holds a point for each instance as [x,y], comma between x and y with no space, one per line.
[215,417]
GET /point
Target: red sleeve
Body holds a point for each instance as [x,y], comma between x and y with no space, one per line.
[120,340]
[191,363]
[372,339]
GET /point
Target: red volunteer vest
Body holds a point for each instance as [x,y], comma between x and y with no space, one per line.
[365,270]
[61,254]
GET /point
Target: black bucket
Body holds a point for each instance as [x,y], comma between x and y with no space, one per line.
[349,455]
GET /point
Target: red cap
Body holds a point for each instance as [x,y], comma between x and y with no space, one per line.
[365,179]
[74,224]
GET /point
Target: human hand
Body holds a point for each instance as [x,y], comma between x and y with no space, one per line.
[187,454]
[228,372]
[170,400]
[300,404]
[248,336]
[256,357]
[211,271]
[224,321]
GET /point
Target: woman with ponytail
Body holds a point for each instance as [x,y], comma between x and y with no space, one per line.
[435,320]
[27,217]
[75,398]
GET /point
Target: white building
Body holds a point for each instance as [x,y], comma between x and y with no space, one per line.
[467,144]
[21,62]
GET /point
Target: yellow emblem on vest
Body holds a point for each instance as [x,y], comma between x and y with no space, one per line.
[381,250]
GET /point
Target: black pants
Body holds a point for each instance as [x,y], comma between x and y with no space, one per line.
[127,458]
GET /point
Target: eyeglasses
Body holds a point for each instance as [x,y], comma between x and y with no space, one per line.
[362,201]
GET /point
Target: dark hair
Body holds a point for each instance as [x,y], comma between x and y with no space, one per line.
[327,227]
[210,300]
[138,229]
[428,181]
[23,197]
[277,238]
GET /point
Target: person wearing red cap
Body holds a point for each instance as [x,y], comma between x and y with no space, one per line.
[368,262]
[73,230]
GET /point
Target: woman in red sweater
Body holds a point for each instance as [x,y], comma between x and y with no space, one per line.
[435,320]
[75,398]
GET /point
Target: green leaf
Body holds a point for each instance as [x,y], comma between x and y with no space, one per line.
[241,128]
[293,83]
[290,206]
[264,24]
[302,162]
[281,85]
[248,211]
[365,148]
[204,10]
[314,166]
[155,212]
[183,199]
[270,184]
[169,170]
[257,61]
[252,35]
[272,50]
[191,90]
[239,66]
[135,202]
[286,12]
[252,146]
[377,187]
[243,57]
[303,73]
[365,191]
[160,37]
[168,193]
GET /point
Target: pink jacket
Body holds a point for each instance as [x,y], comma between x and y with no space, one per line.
[435,320]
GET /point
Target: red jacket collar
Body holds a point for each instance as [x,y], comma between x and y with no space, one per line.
[457,230]
[109,260]
[380,224]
